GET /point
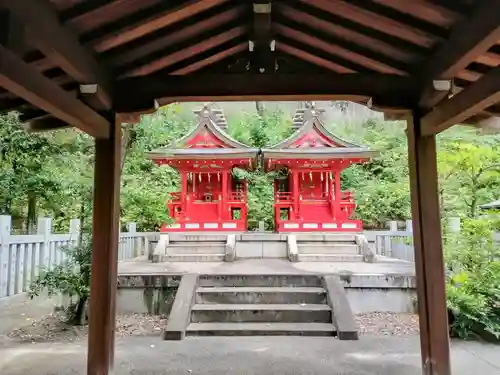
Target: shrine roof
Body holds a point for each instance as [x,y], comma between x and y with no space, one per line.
[204,153]
[313,139]
[207,140]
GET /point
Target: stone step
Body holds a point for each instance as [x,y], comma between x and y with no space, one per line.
[201,248]
[194,258]
[261,329]
[261,295]
[284,313]
[261,280]
[330,257]
[197,237]
[327,248]
[199,244]
[326,237]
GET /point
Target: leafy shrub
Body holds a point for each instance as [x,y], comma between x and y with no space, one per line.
[473,285]
[70,279]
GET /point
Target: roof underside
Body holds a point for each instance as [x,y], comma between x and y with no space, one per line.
[132,55]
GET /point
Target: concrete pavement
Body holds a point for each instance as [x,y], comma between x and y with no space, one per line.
[250,355]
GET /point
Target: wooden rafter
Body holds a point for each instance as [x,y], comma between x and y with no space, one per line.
[175,36]
[171,59]
[62,47]
[346,34]
[337,50]
[154,23]
[313,59]
[373,20]
[191,68]
[476,97]
[27,83]
[139,93]
[468,40]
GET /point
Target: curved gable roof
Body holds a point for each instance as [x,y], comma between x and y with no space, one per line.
[313,123]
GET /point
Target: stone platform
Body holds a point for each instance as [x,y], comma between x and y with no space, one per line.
[384,286]
[141,266]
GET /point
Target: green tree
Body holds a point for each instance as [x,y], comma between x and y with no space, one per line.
[471,172]
[71,279]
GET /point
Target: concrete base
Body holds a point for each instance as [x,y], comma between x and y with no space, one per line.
[384,286]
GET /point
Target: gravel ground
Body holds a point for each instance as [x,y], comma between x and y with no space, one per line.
[387,324]
[52,328]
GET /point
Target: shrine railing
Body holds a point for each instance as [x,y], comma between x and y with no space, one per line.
[237,196]
[283,196]
[175,197]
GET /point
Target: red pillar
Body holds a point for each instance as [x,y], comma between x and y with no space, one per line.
[295,194]
[338,197]
[225,195]
[184,192]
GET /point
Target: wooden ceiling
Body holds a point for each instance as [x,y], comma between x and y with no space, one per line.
[78,61]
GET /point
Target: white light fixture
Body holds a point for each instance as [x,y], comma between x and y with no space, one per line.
[442,84]
[262,8]
[273,45]
[88,89]
[251,46]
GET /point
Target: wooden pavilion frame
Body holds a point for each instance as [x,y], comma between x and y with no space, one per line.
[94,64]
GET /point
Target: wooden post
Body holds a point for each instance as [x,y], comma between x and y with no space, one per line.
[429,261]
[105,232]
[44,227]
[5,227]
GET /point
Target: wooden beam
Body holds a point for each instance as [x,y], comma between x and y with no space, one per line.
[469,39]
[139,93]
[262,58]
[105,232]
[476,97]
[61,46]
[428,244]
[175,57]
[44,125]
[154,23]
[27,83]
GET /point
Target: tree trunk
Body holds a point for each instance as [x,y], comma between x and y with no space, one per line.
[126,143]
[31,217]
[80,316]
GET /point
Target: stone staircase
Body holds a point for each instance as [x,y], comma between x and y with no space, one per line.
[201,249]
[267,305]
[329,248]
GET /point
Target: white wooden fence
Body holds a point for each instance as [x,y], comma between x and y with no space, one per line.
[22,257]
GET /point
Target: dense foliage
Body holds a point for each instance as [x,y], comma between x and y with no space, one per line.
[51,173]
[70,279]
[473,287]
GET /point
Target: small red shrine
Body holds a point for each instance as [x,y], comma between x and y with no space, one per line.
[210,198]
[307,195]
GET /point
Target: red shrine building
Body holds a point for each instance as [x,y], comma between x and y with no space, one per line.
[308,196]
[211,199]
